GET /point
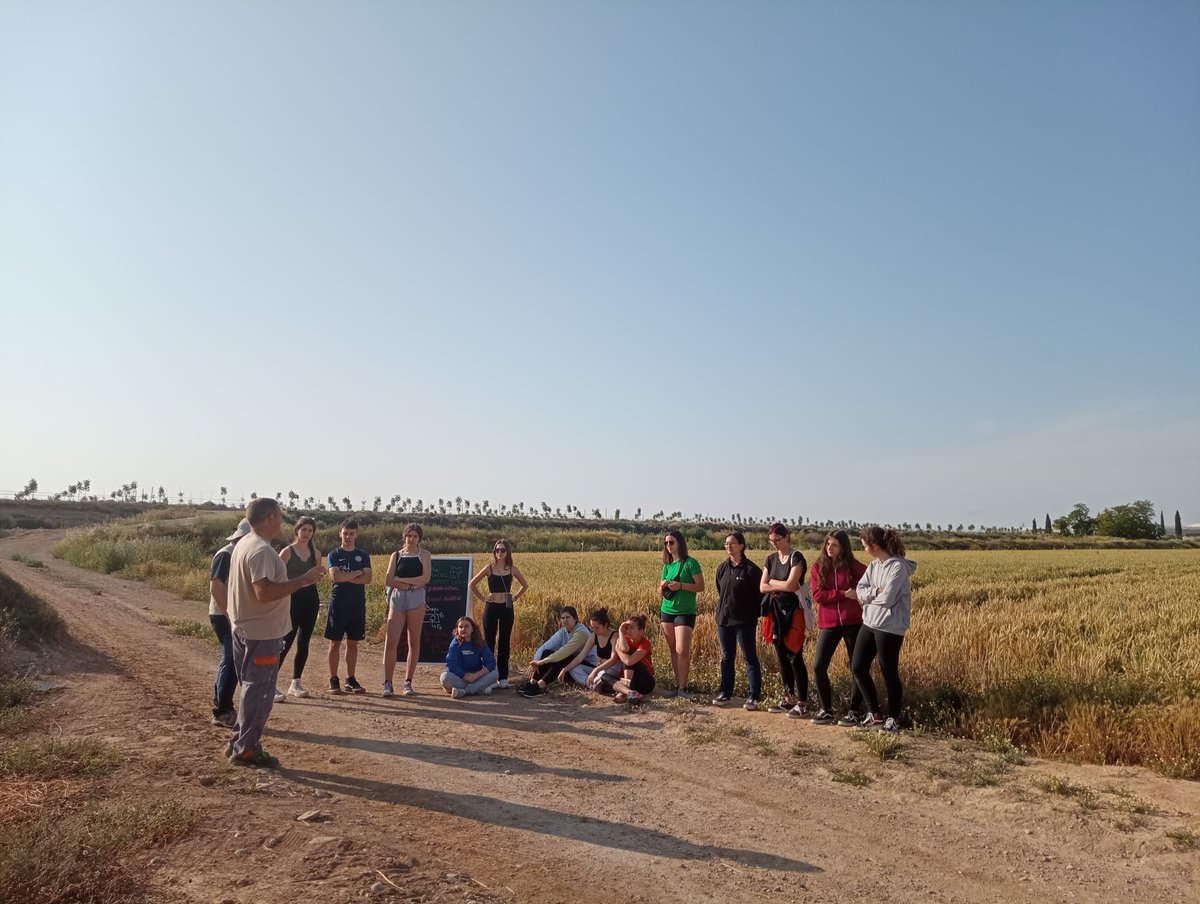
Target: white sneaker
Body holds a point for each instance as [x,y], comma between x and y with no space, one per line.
[279,698]
[503,684]
[891,726]
[296,689]
[457,693]
[387,690]
[408,689]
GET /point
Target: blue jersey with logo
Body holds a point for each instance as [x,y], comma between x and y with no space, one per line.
[348,560]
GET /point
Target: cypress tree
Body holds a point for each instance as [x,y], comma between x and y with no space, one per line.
[1162,524]
[1035,525]
[1178,526]
[1048,522]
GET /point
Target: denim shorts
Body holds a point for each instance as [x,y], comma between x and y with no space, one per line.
[406,600]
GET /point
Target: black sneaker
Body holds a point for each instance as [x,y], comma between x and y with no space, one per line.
[783,706]
[530,689]
[850,720]
[335,686]
[824,717]
[720,699]
[353,687]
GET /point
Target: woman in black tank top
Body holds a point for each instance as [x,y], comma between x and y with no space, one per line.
[498,616]
[608,664]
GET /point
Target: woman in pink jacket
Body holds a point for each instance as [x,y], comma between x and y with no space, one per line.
[835,575]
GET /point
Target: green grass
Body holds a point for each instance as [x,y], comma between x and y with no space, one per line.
[84,857]
[51,758]
[24,560]
[853,776]
[884,745]
[24,617]
[1056,784]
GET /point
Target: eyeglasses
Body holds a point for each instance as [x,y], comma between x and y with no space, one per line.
[499,549]
[669,543]
[775,539]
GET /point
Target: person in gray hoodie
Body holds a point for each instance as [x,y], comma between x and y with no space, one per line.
[885,593]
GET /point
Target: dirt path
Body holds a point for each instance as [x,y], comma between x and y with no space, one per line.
[569,798]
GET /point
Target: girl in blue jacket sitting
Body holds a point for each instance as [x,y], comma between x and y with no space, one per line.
[470,665]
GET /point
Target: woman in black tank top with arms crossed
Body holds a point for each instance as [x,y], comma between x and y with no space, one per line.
[498,615]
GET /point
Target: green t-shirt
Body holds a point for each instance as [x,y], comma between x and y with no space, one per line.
[684,601]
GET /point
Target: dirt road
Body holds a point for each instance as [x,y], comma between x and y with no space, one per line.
[570,799]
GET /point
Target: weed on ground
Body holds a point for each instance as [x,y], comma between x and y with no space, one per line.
[82,857]
[51,758]
[853,776]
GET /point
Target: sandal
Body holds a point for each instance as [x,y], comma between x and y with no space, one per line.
[620,698]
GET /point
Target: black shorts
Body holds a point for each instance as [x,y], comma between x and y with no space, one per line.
[346,621]
[642,680]
[681,621]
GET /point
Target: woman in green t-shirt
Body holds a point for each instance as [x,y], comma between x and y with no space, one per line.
[679,582]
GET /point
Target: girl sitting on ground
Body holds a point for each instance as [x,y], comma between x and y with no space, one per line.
[470,665]
[632,647]
[553,657]
[608,665]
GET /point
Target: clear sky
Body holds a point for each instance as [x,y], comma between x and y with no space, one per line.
[889,261]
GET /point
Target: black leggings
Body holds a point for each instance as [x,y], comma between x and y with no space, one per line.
[887,646]
[827,644]
[499,616]
[549,671]
[792,671]
[306,602]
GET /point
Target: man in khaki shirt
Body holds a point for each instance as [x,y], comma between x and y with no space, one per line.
[260,616]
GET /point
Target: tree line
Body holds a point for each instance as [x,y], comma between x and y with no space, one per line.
[1132,521]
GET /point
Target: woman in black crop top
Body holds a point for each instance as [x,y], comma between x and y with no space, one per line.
[608,663]
[498,613]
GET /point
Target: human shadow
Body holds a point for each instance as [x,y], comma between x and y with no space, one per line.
[492,712]
[555,824]
[477,760]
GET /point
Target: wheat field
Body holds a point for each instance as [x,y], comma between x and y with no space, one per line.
[1088,655]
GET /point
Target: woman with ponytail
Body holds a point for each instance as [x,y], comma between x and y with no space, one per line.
[835,575]
[885,593]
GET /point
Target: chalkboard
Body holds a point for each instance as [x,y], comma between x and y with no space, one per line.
[446,601]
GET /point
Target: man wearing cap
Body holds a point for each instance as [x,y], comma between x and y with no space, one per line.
[223,712]
[260,614]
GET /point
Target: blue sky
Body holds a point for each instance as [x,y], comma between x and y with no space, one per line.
[883,261]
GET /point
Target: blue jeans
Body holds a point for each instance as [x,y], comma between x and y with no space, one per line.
[731,637]
[226,682]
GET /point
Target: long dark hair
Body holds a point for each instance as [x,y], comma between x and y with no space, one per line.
[680,547]
[507,553]
[886,539]
[825,565]
[300,522]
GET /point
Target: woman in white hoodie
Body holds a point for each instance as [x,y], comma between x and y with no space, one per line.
[885,593]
